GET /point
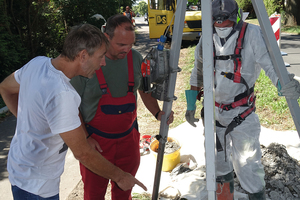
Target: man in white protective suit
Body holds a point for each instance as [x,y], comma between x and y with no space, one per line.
[239,54]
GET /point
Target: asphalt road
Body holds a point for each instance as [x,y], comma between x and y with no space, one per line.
[290,44]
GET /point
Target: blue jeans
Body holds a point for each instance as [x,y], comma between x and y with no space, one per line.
[20,194]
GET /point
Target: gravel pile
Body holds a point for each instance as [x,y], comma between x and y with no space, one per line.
[282,173]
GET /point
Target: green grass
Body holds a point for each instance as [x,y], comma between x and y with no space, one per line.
[271,108]
[291,29]
[252,21]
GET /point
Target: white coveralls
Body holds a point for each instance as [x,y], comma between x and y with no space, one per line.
[243,142]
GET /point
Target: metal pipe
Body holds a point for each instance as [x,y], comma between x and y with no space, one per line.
[167,105]
[209,99]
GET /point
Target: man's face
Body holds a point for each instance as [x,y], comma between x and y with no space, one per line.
[127,9]
[94,62]
[226,23]
[121,43]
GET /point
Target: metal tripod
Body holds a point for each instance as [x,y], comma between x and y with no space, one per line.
[208,80]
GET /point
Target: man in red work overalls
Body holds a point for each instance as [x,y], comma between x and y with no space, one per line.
[108,108]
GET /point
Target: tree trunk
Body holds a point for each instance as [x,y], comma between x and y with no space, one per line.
[292,12]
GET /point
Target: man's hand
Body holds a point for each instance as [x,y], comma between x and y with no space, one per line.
[170,118]
[93,160]
[190,117]
[94,144]
[127,181]
[291,90]
[191,98]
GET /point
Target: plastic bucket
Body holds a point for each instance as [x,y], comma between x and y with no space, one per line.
[170,160]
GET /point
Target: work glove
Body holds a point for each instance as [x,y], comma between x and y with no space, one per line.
[191,97]
[291,90]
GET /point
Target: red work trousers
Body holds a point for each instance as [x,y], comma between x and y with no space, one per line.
[124,153]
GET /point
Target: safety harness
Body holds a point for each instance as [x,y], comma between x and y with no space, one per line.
[246,98]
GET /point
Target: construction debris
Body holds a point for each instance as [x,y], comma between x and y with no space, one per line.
[282,173]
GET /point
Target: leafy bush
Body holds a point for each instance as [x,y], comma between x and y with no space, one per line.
[272,6]
[12,54]
[26,31]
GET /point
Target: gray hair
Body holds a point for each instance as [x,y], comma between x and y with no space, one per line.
[84,36]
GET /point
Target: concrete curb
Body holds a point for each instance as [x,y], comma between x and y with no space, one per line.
[3,110]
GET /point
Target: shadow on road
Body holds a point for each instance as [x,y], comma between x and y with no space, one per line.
[7,130]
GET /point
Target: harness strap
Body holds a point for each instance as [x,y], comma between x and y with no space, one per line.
[246,101]
[235,76]
[238,48]
[229,57]
[218,143]
[237,121]
[236,57]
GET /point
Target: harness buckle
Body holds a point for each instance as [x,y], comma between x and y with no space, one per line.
[227,107]
[130,88]
[238,119]
[220,109]
[104,90]
[249,102]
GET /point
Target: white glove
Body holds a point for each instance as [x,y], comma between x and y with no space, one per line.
[291,90]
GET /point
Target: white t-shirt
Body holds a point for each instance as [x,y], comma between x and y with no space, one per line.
[47,106]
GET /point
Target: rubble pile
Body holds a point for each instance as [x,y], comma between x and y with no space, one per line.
[282,173]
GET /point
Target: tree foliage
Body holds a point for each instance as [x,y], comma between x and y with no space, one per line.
[141,8]
[272,6]
[289,9]
[292,14]
[75,12]
[30,28]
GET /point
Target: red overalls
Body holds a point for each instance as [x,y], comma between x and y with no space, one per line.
[115,129]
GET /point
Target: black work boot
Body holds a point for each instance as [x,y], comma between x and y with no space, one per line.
[258,196]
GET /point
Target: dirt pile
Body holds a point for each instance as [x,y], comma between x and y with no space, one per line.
[282,173]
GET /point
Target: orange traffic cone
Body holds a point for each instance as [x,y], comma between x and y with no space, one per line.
[225,188]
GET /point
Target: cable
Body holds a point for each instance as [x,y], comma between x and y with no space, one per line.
[172,18]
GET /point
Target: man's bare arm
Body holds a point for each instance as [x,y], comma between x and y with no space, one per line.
[152,105]
[76,141]
[9,90]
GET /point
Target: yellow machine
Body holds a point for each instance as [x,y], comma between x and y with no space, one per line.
[161,12]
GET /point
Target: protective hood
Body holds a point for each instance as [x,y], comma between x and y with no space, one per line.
[227,9]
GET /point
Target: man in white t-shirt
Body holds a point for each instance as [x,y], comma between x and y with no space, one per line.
[46,106]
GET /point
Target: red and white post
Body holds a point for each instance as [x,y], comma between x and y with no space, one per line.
[275,20]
